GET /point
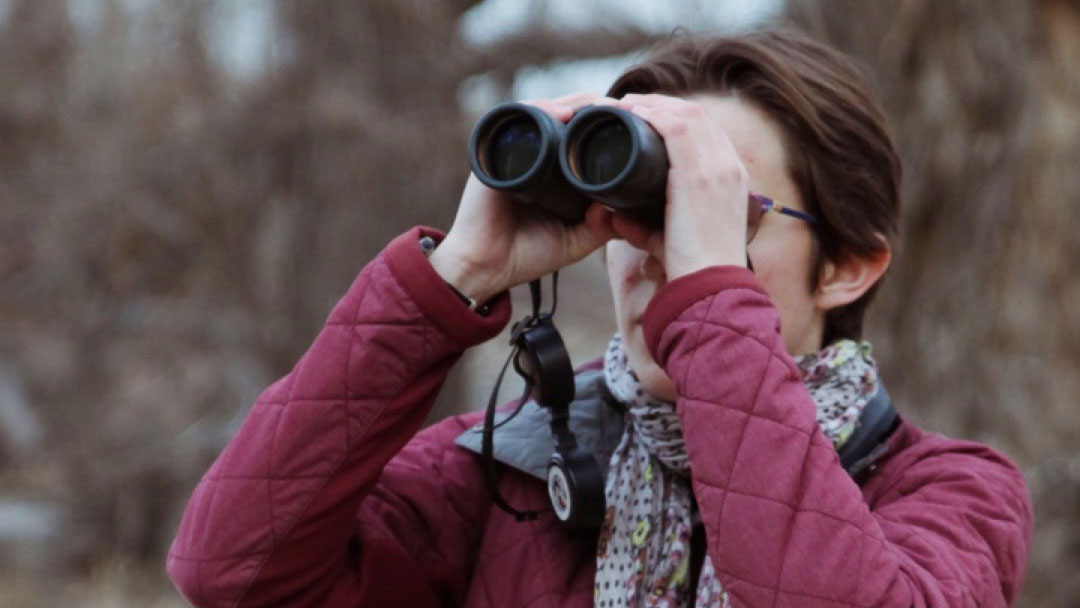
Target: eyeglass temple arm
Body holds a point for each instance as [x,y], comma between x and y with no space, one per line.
[769,203]
[806,217]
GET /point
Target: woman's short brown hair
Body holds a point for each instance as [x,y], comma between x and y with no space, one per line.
[840,152]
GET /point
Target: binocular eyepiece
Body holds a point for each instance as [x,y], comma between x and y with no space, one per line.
[603,153]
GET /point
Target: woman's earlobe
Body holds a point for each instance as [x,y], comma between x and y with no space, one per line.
[846,280]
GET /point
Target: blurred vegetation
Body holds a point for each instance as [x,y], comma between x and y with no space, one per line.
[978,327]
[173,233]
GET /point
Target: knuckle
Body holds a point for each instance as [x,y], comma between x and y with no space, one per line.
[576,98]
[677,127]
[694,109]
[732,172]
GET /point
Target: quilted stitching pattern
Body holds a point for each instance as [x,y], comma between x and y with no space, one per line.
[785,524]
[311,429]
[322,499]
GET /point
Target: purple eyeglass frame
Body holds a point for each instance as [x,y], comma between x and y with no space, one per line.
[768,204]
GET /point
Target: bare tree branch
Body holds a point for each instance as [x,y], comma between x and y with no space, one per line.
[543,45]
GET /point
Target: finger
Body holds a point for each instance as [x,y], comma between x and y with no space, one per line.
[595,230]
[656,100]
[639,235]
[577,99]
[682,149]
[598,219]
[564,108]
[605,101]
[559,111]
[679,110]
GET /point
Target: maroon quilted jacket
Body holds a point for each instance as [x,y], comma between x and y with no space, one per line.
[329,496]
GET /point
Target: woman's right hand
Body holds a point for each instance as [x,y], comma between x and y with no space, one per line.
[495,243]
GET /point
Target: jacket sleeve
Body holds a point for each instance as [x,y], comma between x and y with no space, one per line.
[786,526]
[302,507]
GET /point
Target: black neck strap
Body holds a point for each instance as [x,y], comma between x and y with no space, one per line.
[539,357]
[869,443]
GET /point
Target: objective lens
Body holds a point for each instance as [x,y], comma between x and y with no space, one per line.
[605,152]
[513,149]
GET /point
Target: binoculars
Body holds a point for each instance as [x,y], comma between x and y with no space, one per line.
[604,153]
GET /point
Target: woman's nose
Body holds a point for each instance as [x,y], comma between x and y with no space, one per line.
[652,270]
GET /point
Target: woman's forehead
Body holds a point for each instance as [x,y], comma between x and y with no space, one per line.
[757,137]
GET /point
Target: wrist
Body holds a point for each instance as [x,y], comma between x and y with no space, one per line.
[462,275]
[680,266]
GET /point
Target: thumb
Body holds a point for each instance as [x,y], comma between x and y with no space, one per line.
[595,230]
[639,235]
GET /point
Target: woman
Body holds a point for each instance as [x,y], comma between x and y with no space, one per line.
[327,498]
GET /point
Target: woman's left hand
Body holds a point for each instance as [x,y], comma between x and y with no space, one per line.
[707,190]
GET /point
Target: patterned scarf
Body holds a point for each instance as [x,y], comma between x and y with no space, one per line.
[643,555]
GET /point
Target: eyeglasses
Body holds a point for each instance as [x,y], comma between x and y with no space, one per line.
[760,205]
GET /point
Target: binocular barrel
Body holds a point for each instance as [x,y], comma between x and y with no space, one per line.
[515,148]
[603,153]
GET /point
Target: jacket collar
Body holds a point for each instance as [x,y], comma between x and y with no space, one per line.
[526,443]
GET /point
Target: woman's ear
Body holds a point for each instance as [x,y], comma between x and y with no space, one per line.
[846,280]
